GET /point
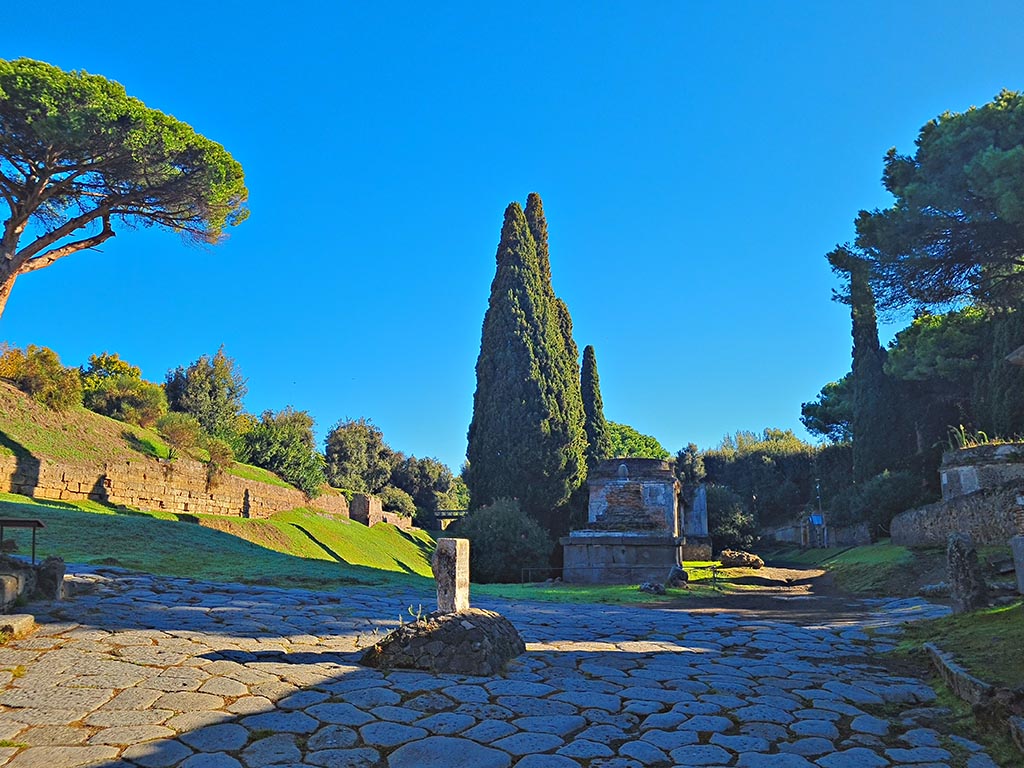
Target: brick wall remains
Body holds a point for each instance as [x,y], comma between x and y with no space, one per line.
[178,486]
[988,517]
[367,510]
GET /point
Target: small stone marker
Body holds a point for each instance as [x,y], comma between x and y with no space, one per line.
[451,572]
[1017,544]
[967,586]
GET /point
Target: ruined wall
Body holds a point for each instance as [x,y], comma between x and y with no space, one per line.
[633,495]
[989,517]
[367,510]
[837,535]
[979,468]
[178,486]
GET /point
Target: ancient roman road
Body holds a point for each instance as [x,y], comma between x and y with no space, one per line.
[149,671]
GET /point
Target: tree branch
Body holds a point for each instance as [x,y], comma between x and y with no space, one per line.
[51,256]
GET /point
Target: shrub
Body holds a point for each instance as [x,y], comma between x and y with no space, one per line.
[125,398]
[730,525]
[37,371]
[283,443]
[398,501]
[878,500]
[503,541]
[180,430]
[222,455]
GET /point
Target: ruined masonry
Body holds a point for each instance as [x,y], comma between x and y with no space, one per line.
[634,532]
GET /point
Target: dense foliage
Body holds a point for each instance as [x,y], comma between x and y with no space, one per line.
[504,541]
[211,390]
[283,442]
[78,155]
[627,442]
[115,388]
[526,438]
[955,231]
[37,371]
[953,236]
[772,473]
[181,431]
[730,525]
[357,457]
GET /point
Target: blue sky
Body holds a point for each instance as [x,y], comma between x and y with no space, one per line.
[696,161]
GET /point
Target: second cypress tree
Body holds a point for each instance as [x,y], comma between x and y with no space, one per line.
[599,443]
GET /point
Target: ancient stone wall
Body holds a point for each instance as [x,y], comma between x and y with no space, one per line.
[979,468]
[633,495]
[180,486]
[367,510]
[989,517]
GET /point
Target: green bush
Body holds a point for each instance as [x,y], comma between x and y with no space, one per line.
[222,455]
[503,541]
[180,430]
[730,525]
[283,443]
[37,371]
[398,501]
[125,398]
[878,500]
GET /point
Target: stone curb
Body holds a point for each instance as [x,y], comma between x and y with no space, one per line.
[970,689]
[965,685]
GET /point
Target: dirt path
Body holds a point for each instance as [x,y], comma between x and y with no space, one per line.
[804,596]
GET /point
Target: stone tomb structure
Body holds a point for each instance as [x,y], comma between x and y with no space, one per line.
[633,532]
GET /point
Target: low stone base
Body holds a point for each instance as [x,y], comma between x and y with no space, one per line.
[607,558]
[470,642]
[696,549]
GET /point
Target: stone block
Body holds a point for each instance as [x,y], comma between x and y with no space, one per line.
[450,564]
[1017,544]
[10,590]
[967,586]
[17,624]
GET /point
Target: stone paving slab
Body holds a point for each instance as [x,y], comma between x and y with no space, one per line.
[146,672]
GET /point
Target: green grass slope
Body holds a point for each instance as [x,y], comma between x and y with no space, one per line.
[297,548]
[79,435]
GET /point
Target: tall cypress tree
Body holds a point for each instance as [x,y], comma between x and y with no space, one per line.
[599,443]
[526,438]
[874,423]
[1004,415]
[563,373]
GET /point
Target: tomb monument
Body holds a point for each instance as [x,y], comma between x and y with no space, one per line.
[634,532]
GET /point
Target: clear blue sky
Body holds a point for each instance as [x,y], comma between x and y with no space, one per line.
[696,161]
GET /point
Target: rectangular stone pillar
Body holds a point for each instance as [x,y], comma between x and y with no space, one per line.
[1017,544]
[450,564]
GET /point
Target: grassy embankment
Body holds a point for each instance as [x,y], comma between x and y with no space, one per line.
[29,430]
[302,547]
[298,548]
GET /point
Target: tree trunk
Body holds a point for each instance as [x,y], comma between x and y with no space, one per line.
[5,291]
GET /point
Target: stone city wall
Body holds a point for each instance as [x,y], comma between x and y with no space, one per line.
[180,486]
[988,517]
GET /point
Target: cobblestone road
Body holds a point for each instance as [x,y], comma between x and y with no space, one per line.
[147,671]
